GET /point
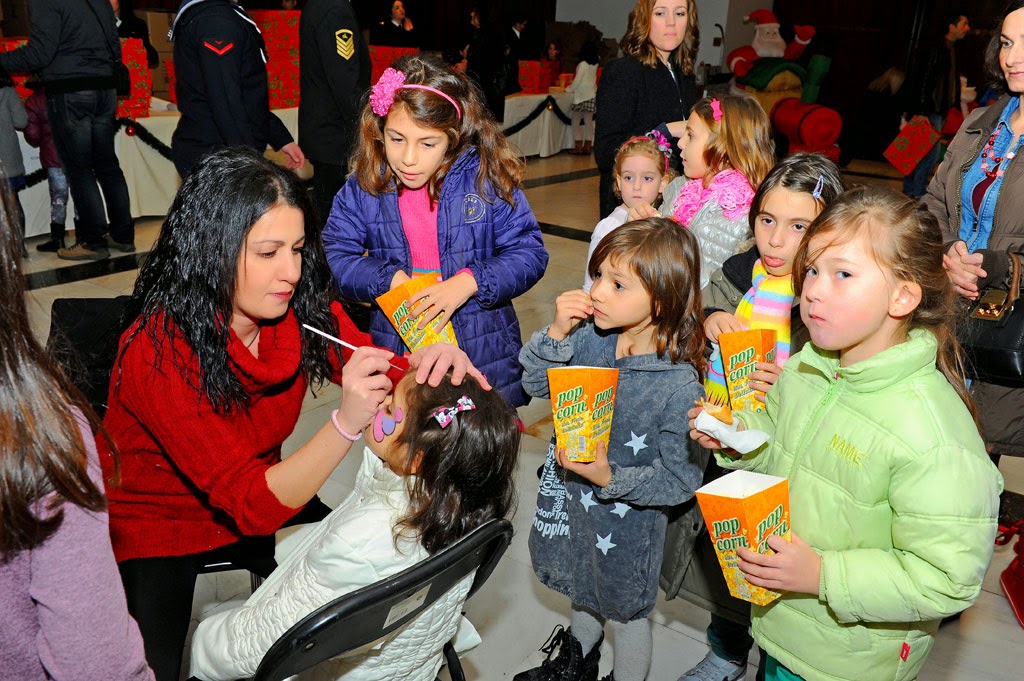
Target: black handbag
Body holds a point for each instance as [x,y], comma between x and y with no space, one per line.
[992,333]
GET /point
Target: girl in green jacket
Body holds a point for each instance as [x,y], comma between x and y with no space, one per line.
[893,499]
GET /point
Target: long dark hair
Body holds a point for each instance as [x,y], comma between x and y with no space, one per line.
[466,472]
[993,68]
[666,259]
[905,239]
[42,454]
[186,288]
[475,128]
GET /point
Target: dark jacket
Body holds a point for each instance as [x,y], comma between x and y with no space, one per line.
[934,87]
[654,467]
[633,99]
[335,73]
[37,133]
[999,408]
[72,44]
[690,569]
[221,70]
[500,243]
[387,34]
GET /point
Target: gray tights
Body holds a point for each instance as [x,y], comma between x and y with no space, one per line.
[631,642]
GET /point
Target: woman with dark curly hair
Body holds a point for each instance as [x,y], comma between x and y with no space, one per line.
[210,379]
[976,196]
[652,86]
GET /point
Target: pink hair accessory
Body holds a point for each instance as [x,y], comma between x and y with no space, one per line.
[446,415]
[716,110]
[659,141]
[382,94]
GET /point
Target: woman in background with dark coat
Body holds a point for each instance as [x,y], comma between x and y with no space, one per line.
[651,86]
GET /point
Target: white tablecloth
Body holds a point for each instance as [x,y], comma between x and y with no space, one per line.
[546,135]
[152,179]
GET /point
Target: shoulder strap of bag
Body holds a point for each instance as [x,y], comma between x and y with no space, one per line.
[1015,272]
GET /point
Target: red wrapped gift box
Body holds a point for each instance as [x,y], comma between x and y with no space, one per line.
[136,104]
[533,78]
[382,56]
[914,141]
[280,28]
[283,81]
[6,45]
[171,79]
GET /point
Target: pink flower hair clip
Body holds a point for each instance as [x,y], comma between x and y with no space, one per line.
[716,110]
[446,415]
[382,94]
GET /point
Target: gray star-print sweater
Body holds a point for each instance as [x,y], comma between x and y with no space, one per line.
[602,547]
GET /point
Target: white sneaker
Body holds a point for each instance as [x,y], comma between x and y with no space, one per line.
[714,668]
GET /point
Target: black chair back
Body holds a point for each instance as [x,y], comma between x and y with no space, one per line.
[83,338]
[373,612]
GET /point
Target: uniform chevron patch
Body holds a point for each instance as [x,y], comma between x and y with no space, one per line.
[345,43]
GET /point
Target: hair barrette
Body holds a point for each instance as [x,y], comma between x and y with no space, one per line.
[382,94]
[816,193]
[716,110]
[446,415]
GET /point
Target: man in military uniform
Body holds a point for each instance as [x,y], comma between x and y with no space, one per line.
[334,75]
[221,65]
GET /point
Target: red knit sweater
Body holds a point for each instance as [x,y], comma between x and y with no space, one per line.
[191,479]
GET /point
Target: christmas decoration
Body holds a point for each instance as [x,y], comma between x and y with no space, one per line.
[767,42]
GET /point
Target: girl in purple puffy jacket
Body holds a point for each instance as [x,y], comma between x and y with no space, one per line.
[435,189]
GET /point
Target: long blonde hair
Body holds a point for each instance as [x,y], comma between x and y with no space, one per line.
[740,139]
[635,42]
[905,239]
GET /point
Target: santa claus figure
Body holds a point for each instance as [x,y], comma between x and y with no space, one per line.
[767,42]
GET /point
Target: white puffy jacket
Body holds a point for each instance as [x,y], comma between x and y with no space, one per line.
[349,549]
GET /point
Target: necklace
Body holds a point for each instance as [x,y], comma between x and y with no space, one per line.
[988,154]
[249,344]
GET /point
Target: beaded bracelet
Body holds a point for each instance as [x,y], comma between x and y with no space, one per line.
[341,431]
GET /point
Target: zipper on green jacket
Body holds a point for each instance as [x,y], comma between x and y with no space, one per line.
[812,426]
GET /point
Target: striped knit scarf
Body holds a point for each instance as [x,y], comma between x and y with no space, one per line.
[767,305]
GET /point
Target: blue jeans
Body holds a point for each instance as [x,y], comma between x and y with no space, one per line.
[83,128]
[916,183]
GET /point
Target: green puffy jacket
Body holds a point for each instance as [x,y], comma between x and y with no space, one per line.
[890,483]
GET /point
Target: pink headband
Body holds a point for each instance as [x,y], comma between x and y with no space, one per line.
[659,141]
[716,110]
[382,95]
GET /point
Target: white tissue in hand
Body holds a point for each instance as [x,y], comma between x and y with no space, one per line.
[743,441]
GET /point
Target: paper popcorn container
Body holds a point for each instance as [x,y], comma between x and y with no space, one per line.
[582,403]
[744,509]
[395,304]
[741,350]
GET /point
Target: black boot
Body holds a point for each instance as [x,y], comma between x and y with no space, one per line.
[568,665]
[56,239]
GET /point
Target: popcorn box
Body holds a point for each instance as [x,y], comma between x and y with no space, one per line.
[744,509]
[741,350]
[582,404]
[395,304]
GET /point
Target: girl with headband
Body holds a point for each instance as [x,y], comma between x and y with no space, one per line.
[727,150]
[435,188]
[642,171]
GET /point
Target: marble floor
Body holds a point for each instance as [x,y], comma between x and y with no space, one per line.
[513,612]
